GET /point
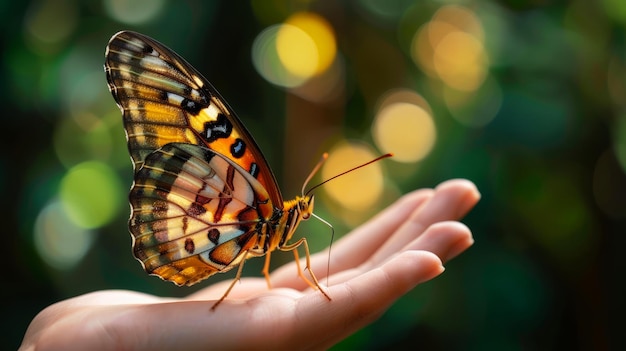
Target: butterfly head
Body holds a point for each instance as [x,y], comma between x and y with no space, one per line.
[305,206]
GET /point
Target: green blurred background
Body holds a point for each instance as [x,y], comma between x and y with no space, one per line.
[527,98]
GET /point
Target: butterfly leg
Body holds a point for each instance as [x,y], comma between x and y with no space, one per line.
[266,269]
[294,248]
[232,284]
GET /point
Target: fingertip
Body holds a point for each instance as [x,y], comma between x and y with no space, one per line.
[414,267]
[445,239]
[462,192]
[460,184]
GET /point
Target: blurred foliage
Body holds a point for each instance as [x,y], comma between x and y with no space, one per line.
[528,100]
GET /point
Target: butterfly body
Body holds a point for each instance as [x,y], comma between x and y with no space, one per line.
[204,198]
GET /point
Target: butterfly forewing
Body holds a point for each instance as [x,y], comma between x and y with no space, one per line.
[164,100]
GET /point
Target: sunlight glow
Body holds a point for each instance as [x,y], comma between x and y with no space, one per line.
[49,22]
[403,127]
[58,240]
[90,194]
[133,11]
[297,51]
[267,63]
[359,189]
[450,47]
[290,54]
[318,57]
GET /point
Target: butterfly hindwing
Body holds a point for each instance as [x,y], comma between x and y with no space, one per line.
[193,212]
[165,100]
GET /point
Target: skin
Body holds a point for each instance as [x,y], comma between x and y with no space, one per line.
[401,247]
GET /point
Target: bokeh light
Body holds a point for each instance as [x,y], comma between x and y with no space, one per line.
[50,22]
[324,44]
[356,190]
[291,53]
[450,47]
[297,51]
[133,11]
[91,193]
[615,9]
[58,240]
[460,61]
[404,128]
[267,63]
[89,136]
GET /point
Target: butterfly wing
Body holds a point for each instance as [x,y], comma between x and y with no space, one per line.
[202,187]
[165,100]
[194,213]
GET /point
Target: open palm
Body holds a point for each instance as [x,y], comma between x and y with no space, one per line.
[370,268]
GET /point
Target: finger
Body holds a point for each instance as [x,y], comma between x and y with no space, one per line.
[388,232]
[361,300]
[452,200]
[444,239]
[367,237]
[363,240]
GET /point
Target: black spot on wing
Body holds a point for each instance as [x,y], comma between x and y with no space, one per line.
[193,107]
[147,49]
[214,236]
[163,95]
[238,148]
[254,169]
[221,128]
[196,210]
[190,246]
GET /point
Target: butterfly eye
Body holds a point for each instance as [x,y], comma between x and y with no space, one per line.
[306,207]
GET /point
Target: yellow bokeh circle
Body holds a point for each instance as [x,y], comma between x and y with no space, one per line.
[451,47]
[460,61]
[406,130]
[297,51]
[359,189]
[306,44]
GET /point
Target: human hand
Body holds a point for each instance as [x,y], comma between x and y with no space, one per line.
[370,268]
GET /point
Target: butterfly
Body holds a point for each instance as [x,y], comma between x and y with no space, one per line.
[204,198]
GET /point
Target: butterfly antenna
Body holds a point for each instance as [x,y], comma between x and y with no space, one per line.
[313,172]
[332,239]
[315,169]
[340,174]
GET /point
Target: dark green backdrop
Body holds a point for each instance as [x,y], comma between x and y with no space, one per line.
[546,271]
